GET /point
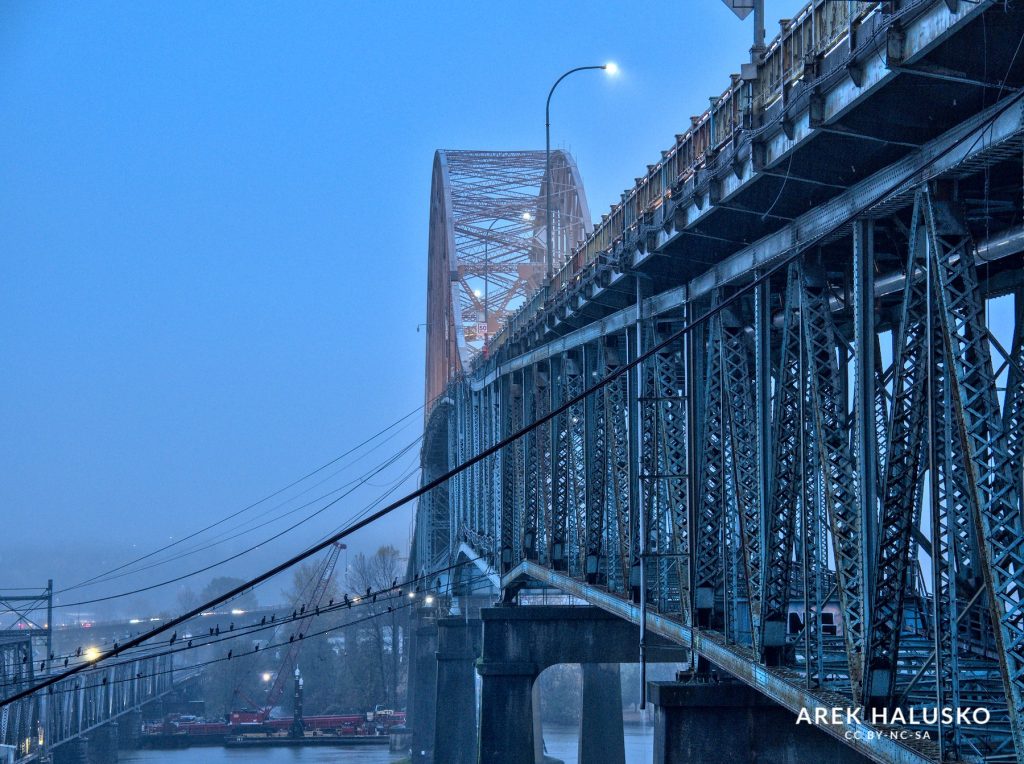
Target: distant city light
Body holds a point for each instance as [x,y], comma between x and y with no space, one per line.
[477,293]
[527,216]
[412,595]
[92,654]
[236,611]
[430,600]
[267,676]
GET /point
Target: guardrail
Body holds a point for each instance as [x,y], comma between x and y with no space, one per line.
[818,28]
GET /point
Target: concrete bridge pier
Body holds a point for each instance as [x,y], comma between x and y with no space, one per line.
[74,751]
[129,730]
[458,645]
[103,744]
[732,722]
[602,740]
[519,642]
[506,713]
[423,687]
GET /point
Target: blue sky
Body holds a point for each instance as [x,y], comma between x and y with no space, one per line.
[213,235]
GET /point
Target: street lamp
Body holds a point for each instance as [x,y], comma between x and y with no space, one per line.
[610,69]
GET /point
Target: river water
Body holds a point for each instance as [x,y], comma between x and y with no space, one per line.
[561,743]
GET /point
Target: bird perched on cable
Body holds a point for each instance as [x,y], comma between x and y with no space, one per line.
[394,583]
[303,610]
[232,626]
[229,655]
[264,621]
[174,638]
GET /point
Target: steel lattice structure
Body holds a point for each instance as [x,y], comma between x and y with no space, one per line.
[75,706]
[487,246]
[786,431]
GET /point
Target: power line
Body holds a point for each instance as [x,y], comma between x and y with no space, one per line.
[355,483]
[786,256]
[237,555]
[379,597]
[225,659]
[415,494]
[266,498]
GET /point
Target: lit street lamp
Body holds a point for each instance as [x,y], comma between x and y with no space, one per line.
[609,68]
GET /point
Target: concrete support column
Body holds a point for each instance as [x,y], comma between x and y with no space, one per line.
[734,723]
[601,736]
[103,744]
[72,752]
[457,650]
[538,726]
[506,713]
[129,730]
[423,694]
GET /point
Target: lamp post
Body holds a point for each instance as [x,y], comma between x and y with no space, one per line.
[609,68]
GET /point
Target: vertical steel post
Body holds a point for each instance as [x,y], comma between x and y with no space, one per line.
[763,404]
[636,499]
[866,444]
[694,432]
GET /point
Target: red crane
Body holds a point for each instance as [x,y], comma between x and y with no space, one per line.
[304,618]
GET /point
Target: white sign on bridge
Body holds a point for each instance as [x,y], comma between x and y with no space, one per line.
[741,8]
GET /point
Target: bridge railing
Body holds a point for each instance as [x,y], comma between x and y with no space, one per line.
[817,29]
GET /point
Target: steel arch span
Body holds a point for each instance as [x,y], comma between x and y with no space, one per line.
[487,251]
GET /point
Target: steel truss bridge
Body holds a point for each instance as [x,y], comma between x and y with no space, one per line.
[767,408]
[77,706]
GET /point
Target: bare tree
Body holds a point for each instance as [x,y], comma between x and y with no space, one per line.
[186,599]
[305,577]
[378,575]
[245,601]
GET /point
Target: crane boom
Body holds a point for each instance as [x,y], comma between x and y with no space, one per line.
[295,645]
